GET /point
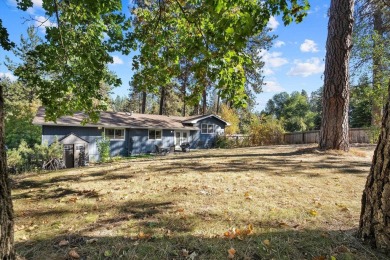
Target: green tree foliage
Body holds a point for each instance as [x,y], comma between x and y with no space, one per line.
[120,104]
[360,104]
[18,124]
[315,102]
[293,110]
[212,35]
[371,52]
[5,43]
[19,116]
[24,158]
[73,58]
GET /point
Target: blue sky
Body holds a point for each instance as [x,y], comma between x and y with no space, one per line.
[295,62]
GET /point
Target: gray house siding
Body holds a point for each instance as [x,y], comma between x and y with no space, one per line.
[200,140]
[118,148]
[138,141]
[89,134]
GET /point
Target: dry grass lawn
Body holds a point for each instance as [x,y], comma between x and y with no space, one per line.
[274,202]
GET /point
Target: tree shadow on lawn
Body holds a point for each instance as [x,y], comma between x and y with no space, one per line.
[70,175]
[287,165]
[142,230]
[272,244]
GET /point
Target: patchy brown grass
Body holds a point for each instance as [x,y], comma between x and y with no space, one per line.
[302,204]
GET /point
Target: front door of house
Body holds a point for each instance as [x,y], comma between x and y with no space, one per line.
[181,137]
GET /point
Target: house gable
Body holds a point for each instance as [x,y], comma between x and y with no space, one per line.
[71,139]
[198,119]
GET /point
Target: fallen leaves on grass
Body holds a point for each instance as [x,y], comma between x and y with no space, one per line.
[342,207]
[231,253]
[247,196]
[239,233]
[73,199]
[73,254]
[63,242]
[313,212]
[266,242]
[142,235]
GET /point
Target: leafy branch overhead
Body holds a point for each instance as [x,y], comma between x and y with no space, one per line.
[215,36]
[72,61]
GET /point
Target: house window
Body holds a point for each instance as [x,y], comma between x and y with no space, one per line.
[155,134]
[207,128]
[115,134]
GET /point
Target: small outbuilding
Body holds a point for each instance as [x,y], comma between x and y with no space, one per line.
[75,150]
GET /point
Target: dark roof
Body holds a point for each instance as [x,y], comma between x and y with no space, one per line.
[125,119]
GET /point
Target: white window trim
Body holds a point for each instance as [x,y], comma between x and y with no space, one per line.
[207,129]
[155,134]
[124,133]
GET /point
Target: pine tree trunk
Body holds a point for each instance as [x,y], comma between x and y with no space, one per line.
[376,111]
[183,92]
[6,209]
[162,101]
[374,226]
[143,106]
[204,102]
[218,100]
[334,125]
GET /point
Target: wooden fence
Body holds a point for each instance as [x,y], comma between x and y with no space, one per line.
[356,135]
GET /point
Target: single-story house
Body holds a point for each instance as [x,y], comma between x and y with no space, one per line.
[129,133]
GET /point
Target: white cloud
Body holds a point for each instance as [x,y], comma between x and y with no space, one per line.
[7,75]
[272,86]
[42,22]
[116,60]
[279,44]
[309,46]
[37,3]
[273,23]
[267,71]
[273,59]
[307,68]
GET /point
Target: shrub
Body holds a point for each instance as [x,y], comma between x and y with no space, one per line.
[26,159]
[14,160]
[103,146]
[44,152]
[266,132]
[222,142]
[373,134]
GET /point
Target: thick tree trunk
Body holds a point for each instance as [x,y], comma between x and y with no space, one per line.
[6,209]
[143,106]
[334,125]
[374,226]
